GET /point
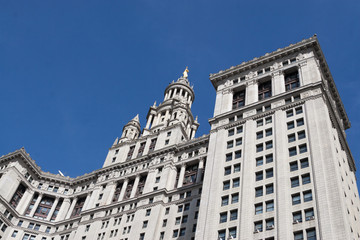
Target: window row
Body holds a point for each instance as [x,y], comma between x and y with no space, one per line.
[300,135]
[295,181]
[231,132]
[235,183]
[260,122]
[298,216]
[228,216]
[291,124]
[268,145]
[236,155]
[290,113]
[268,159]
[269,225]
[269,207]
[260,134]
[231,233]
[294,165]
[260,174]
[230,144]
[293,151]
[235,168]
[269,189]
[310,234]
[296,198]
[234,198]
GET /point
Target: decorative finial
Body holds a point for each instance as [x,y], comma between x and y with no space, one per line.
[154,104]
[185,73]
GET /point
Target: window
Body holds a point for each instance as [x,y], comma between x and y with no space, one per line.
[301,135]
[148,212]
[302,148]
[166,141]
[296,199]
[292,151]
[298,110]
[295,182]
[269,173]
[227,171]
[268,120]
[238,154]
[269,158]
[224,200]
[180,208]
[293,166]
[259,176]
[238,141]
[182,232]
[297,218]
[268,132]
[236,182]
[164,223]
[232,233]
[270,206]
[167,210]
[258,226]
[237,168]
[175,233]
[269,188]
[14,233]
[223,217]
[230,144]
[259,161]
[291,138]
[258,191]
[259,147]
[238,99]
[259,135]
[186,206]
[221,234]
[234,198]
[258,208]
[290,125]
[228,157]
[270,224]
[289,113]
[184,219]
[239,129]
[230,132]
[309,214]
[264,90]
[311,234]
[177,220]
[306,178]
[18,195]
[292,80]
[142,236]
[307,196]
[269,145]
[226,185]
[298,235]
[145,224]
[259,123]
[304,163]
[130,153]
[152,144]
[20,223]
[300,122]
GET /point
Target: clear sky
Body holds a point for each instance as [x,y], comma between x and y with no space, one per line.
[72,73]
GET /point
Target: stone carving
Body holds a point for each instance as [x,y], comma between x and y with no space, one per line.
[202,150]
[184,156]
[228,83]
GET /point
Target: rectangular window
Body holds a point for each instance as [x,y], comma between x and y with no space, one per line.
[230,144]
[258,226]
[259,161]
[228,157]
[175,233]
[258,191]
[292,151]
[259,135]
[227,171]
[296,199]
[290,125]
[238,99]
[264,90]
[268,120]
[269,145]
[238,154]
[230,132]
[259,147]
[268,132]
[291,138]
[298,110]
[311,234]
[270,206]
[293,166]
[223,217]
[269,158]
[130,153]
[309,214]
[258,208]
[237,168]
[259,123]
[306,179]
[233,214]
[307,196]
[238,141]
[292,80]
[186,207]
[298,235]
[269,188]
[304,163]
[234,198]
[225,201]
[297,218]
[239,129]
[300,122]
[289,113]
[302,148]
[236,182]
[295,182]
[269,173]
[221,234]
[259,176]
[301,135]
[270,224]
[226,185]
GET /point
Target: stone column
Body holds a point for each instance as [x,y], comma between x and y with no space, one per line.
[9,182]
[200,170]
[123,189]
[167,115]
[251,93]
[150,181]
[166,96]
[149,121]
[52,210]
[32,212]
[181,90]
[87,200]
[181,176]
[71,209]
[135,186]
[63,210]
[112,187]
[278,82]
[170,91]
[25,201]
[192,133]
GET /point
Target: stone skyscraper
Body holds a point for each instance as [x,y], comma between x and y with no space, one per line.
[275,165]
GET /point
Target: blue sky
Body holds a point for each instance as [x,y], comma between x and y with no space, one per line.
[72,73]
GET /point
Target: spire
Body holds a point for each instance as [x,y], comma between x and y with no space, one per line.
[136,118]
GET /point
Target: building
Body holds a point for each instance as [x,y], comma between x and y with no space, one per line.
[275,165]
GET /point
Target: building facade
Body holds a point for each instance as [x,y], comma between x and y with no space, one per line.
[275,165]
